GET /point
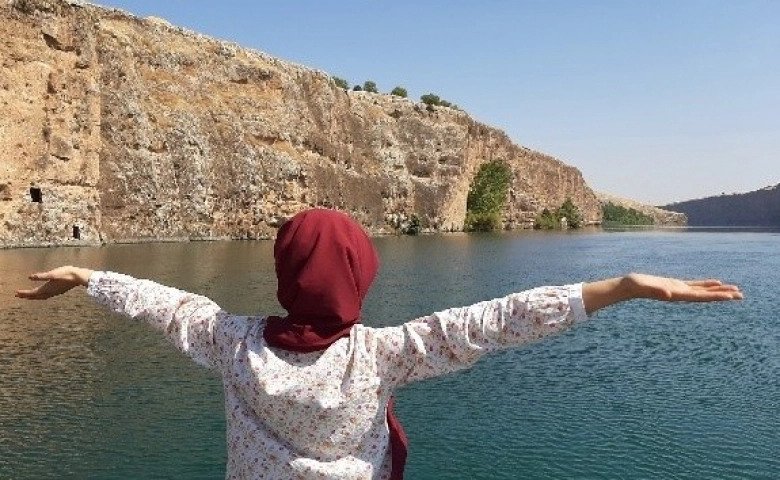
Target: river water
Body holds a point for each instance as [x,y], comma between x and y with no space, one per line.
[644,390]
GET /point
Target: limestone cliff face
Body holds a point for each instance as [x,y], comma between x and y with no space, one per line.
[117,128]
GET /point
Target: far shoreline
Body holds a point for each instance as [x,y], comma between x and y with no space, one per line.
[588,229]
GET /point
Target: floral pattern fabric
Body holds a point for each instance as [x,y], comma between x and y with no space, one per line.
[323,414]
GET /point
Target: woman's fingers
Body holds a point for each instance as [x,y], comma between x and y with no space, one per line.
[705,290]
[727,292]
[704,283]
[59,273]
[712,288]
[27,294]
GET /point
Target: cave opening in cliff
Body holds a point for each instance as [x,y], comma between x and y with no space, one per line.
[76,232]
[35,195]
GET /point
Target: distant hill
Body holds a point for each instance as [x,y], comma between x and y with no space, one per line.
[760,208]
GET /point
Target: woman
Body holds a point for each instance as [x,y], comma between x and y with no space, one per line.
[309,395]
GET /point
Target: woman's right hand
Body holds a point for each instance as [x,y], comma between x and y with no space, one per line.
[58,281]
[600,294]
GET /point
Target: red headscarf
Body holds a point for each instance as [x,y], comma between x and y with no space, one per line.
[325,264]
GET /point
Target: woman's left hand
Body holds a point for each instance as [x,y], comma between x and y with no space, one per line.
[58,281]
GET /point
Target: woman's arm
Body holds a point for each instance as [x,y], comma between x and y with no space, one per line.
[603,293]
[187,320]
[456,338]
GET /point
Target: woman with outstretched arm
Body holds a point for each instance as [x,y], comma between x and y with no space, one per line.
[309,395]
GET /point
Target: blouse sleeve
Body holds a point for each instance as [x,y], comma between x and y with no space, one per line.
[187,320]
[455,339]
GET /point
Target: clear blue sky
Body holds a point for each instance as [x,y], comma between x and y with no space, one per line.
[659,101]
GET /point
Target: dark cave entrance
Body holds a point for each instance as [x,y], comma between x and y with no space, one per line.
[36,195]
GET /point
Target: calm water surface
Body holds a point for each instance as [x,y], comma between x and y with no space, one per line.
[645,390]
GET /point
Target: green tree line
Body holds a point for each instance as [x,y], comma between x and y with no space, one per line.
[429,99]
[615,214]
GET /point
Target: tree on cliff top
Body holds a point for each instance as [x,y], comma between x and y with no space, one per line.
[370,86]
[399,92]
[340,82]
[431,100]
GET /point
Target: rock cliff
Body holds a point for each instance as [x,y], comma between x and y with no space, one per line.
[117,128]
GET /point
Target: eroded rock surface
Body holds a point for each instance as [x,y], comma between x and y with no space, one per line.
[117,128]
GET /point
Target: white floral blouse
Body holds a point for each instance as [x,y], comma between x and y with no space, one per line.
[323,414]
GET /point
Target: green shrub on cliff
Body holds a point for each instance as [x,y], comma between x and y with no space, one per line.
[430,99]
[370,86]
[487,196]
[483,222]
[399,92]
[547,220]
[571,213]
[340,82]
[615,214]
[412,227]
